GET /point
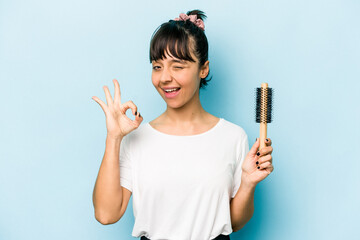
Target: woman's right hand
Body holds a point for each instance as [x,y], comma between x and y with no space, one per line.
[117,123]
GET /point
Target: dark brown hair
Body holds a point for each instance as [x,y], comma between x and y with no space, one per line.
[180,37]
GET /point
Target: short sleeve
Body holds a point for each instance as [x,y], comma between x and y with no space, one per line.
[244,149]
[125,163]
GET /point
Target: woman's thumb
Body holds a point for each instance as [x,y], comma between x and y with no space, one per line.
[255,147]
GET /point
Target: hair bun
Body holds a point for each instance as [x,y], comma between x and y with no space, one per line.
[199,14]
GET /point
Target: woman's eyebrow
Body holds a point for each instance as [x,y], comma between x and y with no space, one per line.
[172,61]
[177,61]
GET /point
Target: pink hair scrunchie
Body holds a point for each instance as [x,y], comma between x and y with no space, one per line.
[192,18]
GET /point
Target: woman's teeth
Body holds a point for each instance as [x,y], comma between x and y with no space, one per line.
[172,90]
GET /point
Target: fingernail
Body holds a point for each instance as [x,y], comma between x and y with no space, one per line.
[139,115]
[135,112]
[267,139]
[257,162]
[258,153]
[255,139]
[258,167]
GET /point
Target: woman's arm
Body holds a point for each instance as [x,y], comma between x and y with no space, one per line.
[107,194]
[242,206]
[256,167]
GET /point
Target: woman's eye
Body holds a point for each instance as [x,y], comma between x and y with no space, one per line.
[155,67]
[178,67]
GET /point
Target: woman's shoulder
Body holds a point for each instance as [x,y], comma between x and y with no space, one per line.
[233,128]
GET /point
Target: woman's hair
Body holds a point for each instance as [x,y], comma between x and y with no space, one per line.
[181,37]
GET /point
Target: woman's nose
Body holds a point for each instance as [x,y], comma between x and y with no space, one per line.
[165,75]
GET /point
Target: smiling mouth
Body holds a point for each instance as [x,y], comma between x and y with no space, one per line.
[172,93]
[172,90]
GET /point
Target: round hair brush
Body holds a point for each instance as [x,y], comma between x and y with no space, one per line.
[263,110]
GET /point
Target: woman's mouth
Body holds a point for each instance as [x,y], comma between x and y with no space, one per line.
[171,93]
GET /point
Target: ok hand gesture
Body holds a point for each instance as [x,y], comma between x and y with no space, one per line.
[117,123]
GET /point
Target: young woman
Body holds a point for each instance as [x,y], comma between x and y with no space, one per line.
[191,174]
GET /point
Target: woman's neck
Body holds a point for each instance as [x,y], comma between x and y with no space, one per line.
[191,112]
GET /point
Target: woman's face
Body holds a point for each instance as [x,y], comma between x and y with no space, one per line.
[183,76]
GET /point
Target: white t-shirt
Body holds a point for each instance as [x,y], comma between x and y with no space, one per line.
[182,185]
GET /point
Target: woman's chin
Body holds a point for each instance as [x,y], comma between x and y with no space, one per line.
[174,105]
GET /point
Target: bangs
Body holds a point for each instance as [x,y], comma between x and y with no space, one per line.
[170,40]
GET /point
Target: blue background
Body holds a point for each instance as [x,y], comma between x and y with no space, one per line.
[56,55]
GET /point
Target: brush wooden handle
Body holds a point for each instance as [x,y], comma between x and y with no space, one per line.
[263,125]
[263,129]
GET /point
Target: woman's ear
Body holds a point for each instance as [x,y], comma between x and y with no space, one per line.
[204,69]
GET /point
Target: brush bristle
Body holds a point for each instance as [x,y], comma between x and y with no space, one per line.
[263,110]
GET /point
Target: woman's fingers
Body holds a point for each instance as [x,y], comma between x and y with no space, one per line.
[263,159]
[117,94]
[127,105]
[138,118]
[108,96]
[264,165]
[265,151]
[267,166]
[264,155]
[101,103]
[130,104]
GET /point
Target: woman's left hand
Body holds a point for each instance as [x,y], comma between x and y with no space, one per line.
[257,167]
